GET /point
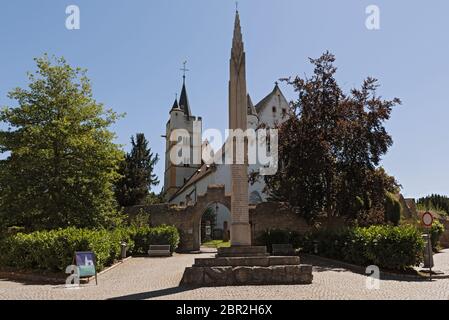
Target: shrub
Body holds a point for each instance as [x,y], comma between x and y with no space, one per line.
[145,236]
[53,250]
[389,247]
[436,232]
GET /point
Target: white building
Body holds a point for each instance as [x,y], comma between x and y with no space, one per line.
[183,184]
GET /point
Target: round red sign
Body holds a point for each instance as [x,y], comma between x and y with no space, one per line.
[427,219]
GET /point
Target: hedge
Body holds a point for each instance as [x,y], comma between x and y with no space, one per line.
[388,247]
[53,250]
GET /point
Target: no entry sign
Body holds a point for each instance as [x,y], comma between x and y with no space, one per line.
[427,219]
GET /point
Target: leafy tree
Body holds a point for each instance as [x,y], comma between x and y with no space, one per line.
[153,198]
[392,209]
[137,173]
[60,161]
[331,146]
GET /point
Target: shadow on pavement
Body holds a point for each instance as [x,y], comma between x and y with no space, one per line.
[153,294]
[324,265]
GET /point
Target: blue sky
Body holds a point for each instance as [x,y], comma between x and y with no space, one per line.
[134,50]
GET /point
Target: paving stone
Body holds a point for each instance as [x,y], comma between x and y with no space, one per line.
[146,278]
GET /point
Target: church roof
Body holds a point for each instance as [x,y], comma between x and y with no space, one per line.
[251,109]
[184,101]
[276,91]
[201,173]
[175,105]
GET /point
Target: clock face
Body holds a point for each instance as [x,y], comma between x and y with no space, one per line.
[427,219]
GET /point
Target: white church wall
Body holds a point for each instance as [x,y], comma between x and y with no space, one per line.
[272,117]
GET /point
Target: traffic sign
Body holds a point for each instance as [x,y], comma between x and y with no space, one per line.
[427,219]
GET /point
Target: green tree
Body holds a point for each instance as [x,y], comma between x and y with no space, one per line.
[434,202]
[392,209]
[331,146]
[137,173]
[60,161]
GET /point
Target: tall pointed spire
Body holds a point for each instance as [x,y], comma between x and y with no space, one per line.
[175,105]
[184,100]
[237,42]
[238,109]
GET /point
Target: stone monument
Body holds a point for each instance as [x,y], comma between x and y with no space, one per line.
[242,263]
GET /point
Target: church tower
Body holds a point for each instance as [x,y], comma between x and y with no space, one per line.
[181,117]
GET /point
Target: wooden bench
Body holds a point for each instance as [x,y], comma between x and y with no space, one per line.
[283,250]
[159,251]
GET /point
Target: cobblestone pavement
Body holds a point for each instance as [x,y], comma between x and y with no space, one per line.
[146,278]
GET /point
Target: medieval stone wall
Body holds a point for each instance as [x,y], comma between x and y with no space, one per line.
[264,216]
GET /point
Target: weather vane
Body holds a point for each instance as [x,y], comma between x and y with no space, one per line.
[184,69]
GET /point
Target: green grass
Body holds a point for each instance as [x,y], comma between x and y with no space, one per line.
[217,244]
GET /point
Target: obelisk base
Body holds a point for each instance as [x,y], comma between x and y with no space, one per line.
[240,235]
[256,269]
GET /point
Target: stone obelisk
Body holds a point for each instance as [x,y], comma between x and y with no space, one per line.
[240,227]
[243,264]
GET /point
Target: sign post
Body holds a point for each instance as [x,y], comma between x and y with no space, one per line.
[427,221]
[86,263]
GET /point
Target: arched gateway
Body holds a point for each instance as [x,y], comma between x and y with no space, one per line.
[215,194]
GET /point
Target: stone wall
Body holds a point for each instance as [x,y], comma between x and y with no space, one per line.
[181,218]
[264,216]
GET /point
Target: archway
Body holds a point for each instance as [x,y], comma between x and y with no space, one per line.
[215,226]
[215,195]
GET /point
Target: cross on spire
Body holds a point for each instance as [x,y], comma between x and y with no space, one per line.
[184,70]
[237,6]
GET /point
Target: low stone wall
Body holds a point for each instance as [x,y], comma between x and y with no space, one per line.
[264,216]
[273,215]
[181,218]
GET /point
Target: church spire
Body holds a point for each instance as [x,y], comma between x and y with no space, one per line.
[175,105]
[184,100]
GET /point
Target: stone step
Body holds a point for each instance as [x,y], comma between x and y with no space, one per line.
[239,276]
[247,261]
[250,251]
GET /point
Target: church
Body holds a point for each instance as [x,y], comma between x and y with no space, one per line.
[184,183]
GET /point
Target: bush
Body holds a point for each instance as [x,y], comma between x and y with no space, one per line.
[53,250]
[436,232]
[145,236]
[395,248]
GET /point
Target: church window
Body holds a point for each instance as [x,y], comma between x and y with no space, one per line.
[284,111]
[274,109]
